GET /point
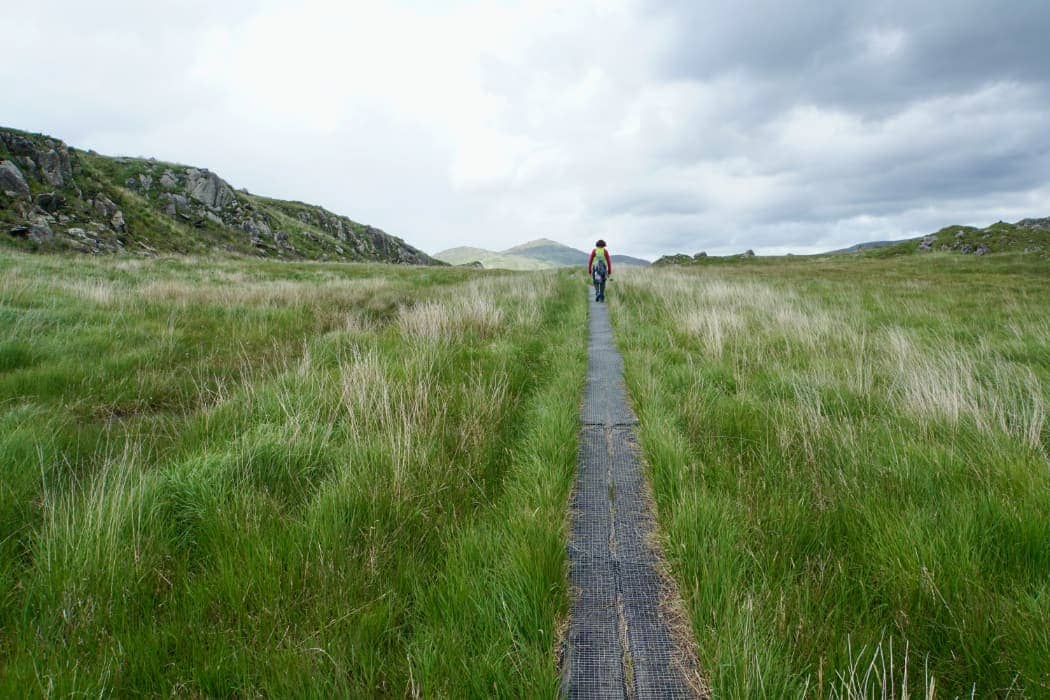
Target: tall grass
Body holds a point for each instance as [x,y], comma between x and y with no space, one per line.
[850,462]
[224,477]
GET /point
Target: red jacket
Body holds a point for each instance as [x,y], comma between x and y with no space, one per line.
[608,261]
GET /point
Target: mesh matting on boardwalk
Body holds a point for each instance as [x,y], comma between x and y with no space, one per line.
[618,635]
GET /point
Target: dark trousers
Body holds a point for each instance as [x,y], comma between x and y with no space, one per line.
[599,290]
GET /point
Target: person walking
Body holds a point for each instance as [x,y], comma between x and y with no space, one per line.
[599,267]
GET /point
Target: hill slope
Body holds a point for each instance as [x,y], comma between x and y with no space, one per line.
[1027,236]
[60,198]
[465,255]
[534,255]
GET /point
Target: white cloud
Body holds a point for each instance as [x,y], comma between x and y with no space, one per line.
[481,123]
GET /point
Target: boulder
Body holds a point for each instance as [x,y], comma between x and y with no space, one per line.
[105,206]
[178,206]
[40,230]
[55,168]
[118,222]
[208,189]
[1038,224]
[699,255]
[749,253]
[981,250]
[146,180]
[50,201]
[17,145]
[11,181]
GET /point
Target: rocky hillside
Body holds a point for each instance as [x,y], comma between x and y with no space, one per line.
[1027,237]
[53,197]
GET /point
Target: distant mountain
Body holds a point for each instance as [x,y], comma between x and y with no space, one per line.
[534,255]
[53,197]
[501,261]
[551,252]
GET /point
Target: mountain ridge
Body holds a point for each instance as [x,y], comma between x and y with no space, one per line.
[538,254]
[56,197]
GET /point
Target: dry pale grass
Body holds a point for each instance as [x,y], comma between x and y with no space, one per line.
[748,323]
[469,307]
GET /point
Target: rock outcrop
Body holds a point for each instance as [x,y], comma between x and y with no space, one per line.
[52,196]
[12,183]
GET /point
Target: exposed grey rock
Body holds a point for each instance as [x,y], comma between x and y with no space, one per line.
[54,164]
[23,232]
[118,222]
[960,234]
[167,180]
[146,180]
[178,206]
[40,230]
[77,233]
[18,145]
[749,253]
[208,189]
[104,206]
[981,250]
[12,183]
[699,255]
[966,249]
[50,201]
[1039,224]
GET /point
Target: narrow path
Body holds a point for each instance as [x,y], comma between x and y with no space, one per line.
[619,642]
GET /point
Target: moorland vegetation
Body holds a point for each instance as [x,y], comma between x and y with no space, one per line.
[850,462]
[237,477]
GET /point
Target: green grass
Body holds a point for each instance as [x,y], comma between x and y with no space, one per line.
[247,477]
[250,478]
[849,459]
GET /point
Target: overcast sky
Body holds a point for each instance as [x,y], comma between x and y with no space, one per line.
[661,126]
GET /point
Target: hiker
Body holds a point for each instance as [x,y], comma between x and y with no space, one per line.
[599,267]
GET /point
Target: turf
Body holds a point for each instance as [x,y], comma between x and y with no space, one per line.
[224,476]
[234,477]
[850,463]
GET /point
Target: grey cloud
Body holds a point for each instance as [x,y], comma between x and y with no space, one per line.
[822,53]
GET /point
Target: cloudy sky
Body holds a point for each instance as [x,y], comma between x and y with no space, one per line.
[663,126]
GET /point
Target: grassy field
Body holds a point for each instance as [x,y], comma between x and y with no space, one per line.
[850,462]
[238,477]
[247,478]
